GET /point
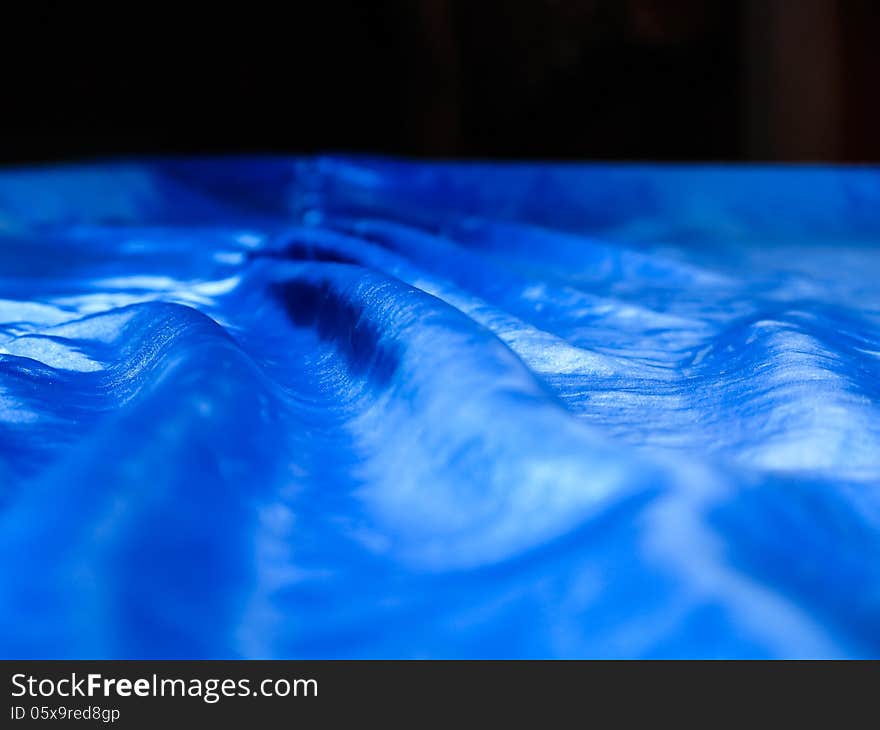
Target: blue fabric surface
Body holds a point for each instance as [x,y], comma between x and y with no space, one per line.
[364,408]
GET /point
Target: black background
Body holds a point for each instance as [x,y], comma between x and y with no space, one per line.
[570,79]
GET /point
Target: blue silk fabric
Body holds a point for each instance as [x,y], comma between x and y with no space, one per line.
[344,407]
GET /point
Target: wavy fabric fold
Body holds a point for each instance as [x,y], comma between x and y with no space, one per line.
[364,408]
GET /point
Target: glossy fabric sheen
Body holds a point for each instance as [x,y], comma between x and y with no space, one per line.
[330,407]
